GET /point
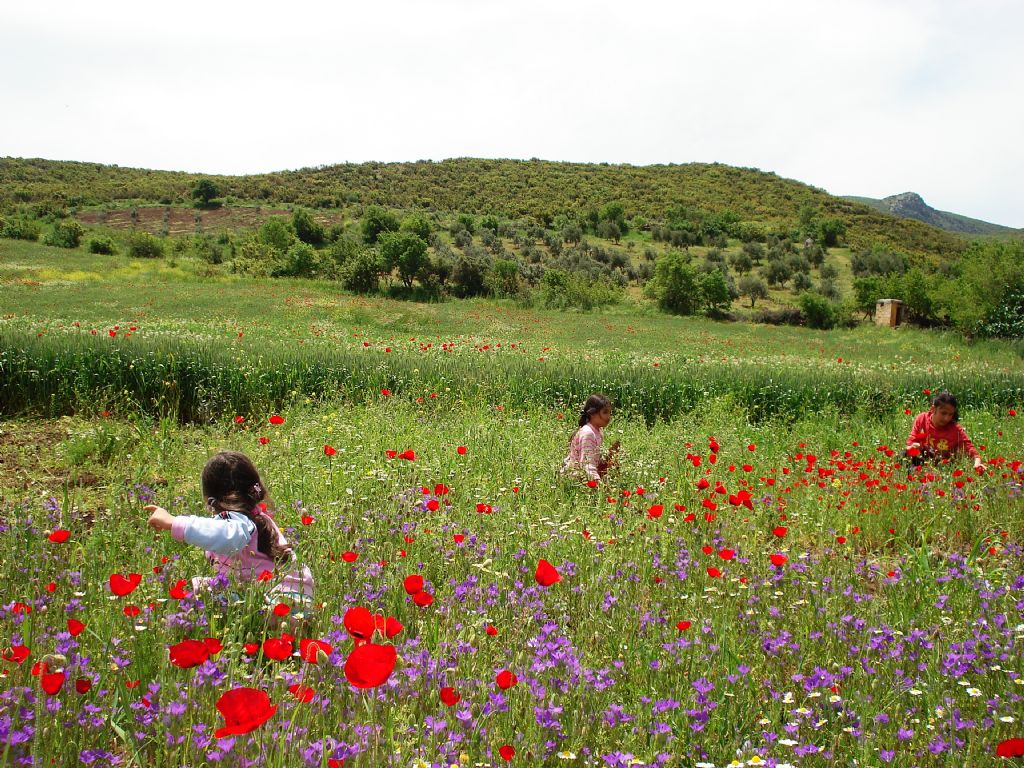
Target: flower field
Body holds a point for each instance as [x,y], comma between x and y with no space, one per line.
[758,583]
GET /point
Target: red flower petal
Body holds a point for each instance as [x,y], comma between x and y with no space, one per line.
[303,693]
[189,653]
[423,599]
[360,624]
[683,625]
[52,682]
[349,556]
[329,450]
[413,584]
[281,609]
[310,649]
[16,654]
[392,627]
[1010,748]
[243,710]
[507,752]
[449,697]
[546,574]
[370,665]
[75,627]
[276,419]
[506,679]
[59,536]
[277,648]
[121,586]
[83,684]
[178,591]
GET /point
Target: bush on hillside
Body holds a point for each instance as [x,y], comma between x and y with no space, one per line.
[65,234]
[102,245]
[21,228]
[143,245]
[818,311]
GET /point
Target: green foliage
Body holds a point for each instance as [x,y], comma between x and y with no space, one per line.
[102,245]
[830,231]
[867,291]
[419,226]
[877,261]
[984,299]
[307,229]
[377,220]
[570,290]
[361,272]
[504,279]
[753,288]
[675,285]
[342,249]
[21,228]
[66,233]
[715,294]
[254,258]
[404,251]
[300,260]
[819,312]
[144,246]
[204,191]
[467,222]
[278,233]
[469,274]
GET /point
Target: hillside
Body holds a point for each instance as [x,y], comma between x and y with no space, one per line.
[910,205]
[512,188]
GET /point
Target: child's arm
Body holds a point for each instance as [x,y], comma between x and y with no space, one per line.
[590,454]
[917,431]
[219,535]
[967,445]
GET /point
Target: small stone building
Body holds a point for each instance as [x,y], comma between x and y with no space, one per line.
[888,312]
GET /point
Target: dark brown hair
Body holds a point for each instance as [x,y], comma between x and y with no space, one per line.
[947,398]
[595,404]
[231,483]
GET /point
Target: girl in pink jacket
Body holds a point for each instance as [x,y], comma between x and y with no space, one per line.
[241,540]
[936,434]
[585,458]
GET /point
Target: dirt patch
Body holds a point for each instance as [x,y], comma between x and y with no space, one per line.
[167,220]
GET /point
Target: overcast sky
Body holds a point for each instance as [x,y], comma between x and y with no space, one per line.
[862,98]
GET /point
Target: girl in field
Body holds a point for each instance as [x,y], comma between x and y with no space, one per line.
[585,446]
[937,434]
[242,540]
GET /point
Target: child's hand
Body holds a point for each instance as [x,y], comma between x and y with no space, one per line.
[979,467]
[159,518]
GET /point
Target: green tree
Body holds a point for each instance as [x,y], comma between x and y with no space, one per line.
[417,225]
[405,251]
[361,273]
[204,192]
[866,293]
[714,292]
[818,311]
[277,232]
[307,229]
[830,231]
[675,284]
[504,278]
[753,288]
[65,234]
[375,221]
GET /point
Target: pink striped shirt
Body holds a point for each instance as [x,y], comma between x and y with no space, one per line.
[584,452]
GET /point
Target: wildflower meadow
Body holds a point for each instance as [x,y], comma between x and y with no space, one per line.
[760,580]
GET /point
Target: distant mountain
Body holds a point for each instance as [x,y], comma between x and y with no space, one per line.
[910,205]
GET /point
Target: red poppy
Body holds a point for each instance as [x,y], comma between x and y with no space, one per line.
[370,665]
[655,510]
[360,624]
[51,587]
[413,584]
[178,590]
[239,419]
[727,554]
[409,455]
[779,560]
[433,505]
[713,572]
[546,574]
[16,654]
[307,519]
[264,440]
[391,454]
[213,645]
[83,684]
[507,752]
[392,627]
[275,419]
[59,536]
[1010,748]
[303,693]
[277,648]
[329,450]
[710,505]
[423,599]
[335,762]
[840,539]
[121,586]
[449,697]
[75,627]
[459,538]
[243,710]
[131,684]
[484,509]
[506,679]
[52,682]
[40,668]
[1012,412]
[386,392]
[683,625]
[131,611]
[189,653]
[251,649]
[461,450]
[311,649]
[349,556]
[779,531]
[703,483]
[491,630]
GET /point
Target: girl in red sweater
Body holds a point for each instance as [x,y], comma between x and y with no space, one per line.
[937,434]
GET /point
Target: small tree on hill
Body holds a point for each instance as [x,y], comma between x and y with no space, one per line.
[375,221]
[715,293]
[307,229]
[753,288]
[204,192]
[405,251]
[675,285]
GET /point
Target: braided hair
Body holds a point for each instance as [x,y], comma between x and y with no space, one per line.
[595,404]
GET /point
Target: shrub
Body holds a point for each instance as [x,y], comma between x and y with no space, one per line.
[21,228]
[102,245]
[469,274]
[405,251]
[65,234]
[753,288]
[204,192]
[254,258]
[781,316]
[276,232]
[361,273]
[307,229]
[675,285]
[300,261]
[419,226]
[143,245]
[818,311]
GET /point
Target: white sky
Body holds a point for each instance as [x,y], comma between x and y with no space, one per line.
[869,97]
